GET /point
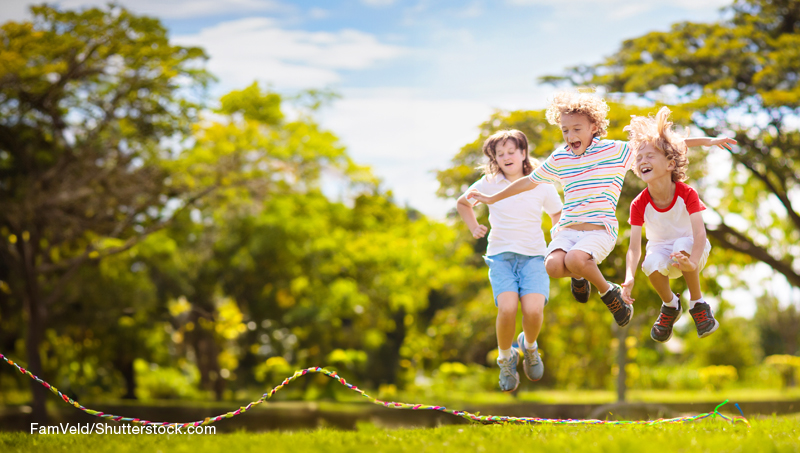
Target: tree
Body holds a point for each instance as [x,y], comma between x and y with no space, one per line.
[89,103]
[743,77]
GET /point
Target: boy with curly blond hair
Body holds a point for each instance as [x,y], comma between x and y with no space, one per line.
[676,235]
[591,171]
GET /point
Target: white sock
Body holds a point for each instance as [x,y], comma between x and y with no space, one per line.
[692,303]
[530,345]
[505,354]
[674,302]
[606,291]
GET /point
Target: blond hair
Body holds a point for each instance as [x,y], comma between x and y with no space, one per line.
[658,132]
[499,138]
[572,102]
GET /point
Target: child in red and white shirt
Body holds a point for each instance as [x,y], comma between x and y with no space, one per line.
[672,213]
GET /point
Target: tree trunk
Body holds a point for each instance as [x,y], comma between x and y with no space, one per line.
[125,366]
[37,315]
[622,360]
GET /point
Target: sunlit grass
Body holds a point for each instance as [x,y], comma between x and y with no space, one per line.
[776,434]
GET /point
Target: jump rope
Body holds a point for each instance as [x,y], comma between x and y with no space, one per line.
[485,419]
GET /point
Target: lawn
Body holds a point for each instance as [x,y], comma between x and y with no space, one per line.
[774,434]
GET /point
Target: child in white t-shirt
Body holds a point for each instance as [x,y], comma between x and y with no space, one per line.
[515,254]
[672,214]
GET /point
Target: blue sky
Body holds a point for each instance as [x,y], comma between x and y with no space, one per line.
[416,77]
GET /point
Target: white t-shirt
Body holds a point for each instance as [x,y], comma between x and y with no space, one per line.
[671,223]
[516,222]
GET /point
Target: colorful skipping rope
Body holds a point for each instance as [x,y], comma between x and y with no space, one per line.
[485,419]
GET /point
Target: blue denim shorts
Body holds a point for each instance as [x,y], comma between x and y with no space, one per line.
[509,271]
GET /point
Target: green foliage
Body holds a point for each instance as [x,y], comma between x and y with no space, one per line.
[160,383]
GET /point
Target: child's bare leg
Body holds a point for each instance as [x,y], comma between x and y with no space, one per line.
[693,281]
[660,283]
[555,266]
[506,325]
[581,264]
[532,316]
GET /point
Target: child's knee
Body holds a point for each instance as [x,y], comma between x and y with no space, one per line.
[533,311]
[506,308]
[576,260]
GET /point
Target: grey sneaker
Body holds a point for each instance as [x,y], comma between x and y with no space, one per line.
[704,319]
[581,289]
[509,377]
[613,299]
[531,362]
[662,329]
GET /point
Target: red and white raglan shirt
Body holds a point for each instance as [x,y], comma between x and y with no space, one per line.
[667,230]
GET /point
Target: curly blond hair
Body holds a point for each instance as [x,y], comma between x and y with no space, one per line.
[499,138]
[571,102]
[658,132]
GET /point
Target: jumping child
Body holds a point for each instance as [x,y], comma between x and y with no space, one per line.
[676,234]
[591,172]
[515,254]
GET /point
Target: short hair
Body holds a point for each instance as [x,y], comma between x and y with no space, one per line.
[658,132]
[500,137]
[572,102]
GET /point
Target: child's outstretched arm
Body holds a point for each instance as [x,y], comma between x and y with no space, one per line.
[632,262]
[516,187]
[691,263]
[722,142]
[464,209]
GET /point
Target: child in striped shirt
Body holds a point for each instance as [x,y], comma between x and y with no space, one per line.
[591,172]
[676,235]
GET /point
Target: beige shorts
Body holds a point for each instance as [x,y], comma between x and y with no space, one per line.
[657,257]
[597,243]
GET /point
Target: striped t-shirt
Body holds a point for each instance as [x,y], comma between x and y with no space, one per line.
[592,182]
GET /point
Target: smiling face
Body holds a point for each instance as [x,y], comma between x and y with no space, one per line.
[578,131]
[509,158]
[652,164]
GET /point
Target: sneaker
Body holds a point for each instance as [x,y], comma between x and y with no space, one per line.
[581,289]
[662,329]
[509,377]
[531,362]
[613,299]
[704,319]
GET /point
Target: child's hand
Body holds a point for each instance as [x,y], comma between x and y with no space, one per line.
[683,262]
[479,231]
[481,198]
[627,290]
[723,142]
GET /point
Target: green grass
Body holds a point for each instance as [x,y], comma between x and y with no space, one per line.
[774,434]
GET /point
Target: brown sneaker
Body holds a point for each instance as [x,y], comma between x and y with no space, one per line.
[662,329]
[613,299]
[581,289]
[704,319]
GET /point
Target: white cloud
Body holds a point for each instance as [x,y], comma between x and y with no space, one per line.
[405,137]
[259,49]
[318,13]
[378,3]
[171,9]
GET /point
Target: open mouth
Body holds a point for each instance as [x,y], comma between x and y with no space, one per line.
[508,164]
[645,170]
[575,145]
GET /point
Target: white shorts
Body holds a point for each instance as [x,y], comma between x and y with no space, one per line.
[657,256]
[597,243]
